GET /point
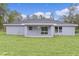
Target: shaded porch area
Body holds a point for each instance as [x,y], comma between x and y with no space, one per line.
[39,31]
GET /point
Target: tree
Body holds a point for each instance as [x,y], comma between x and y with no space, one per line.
[3,12]
[28,17]
[14,16]
[41,17]
[1,22]
[76,19]
[34,17]
[71,17]
[52,15]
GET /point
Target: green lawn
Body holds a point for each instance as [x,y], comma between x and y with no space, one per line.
[22,46]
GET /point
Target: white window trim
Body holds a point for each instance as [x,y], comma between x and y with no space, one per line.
[58,29]
[44,31]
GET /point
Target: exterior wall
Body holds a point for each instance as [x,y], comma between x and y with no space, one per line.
[52,30]
[58,33]
[15,30]
[68,30]
[36,32]
[25,31]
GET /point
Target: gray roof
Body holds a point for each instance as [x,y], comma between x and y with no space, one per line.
[42,22]
[38,21]
[32,21]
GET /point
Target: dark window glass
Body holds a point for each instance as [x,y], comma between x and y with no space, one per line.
[44,30]
[56,29]
[60,29]
[30,28]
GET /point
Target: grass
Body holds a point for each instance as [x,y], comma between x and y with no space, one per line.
[21,46]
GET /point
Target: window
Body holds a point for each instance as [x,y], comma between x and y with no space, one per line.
[58,29]
[30,28]
[44,30]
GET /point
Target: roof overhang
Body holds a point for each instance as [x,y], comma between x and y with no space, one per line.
[53,24]
[38,23]
[65,24]
[29,24]
[13,24]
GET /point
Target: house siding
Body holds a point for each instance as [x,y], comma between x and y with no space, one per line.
[15,30]
[52,30]
[25,31]
[36,31]
[68,31]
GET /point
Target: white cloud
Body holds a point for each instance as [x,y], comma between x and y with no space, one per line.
[46,15]
[62,12]
[24,16]
[39,13]
[77,7]
[65,11]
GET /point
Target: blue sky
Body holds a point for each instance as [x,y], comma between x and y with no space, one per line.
[30,8]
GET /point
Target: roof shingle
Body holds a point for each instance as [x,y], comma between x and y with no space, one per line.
[38,21]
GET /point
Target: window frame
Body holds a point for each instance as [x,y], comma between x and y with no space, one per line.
[30,27]
[56,29]
[59,29]
[44,30]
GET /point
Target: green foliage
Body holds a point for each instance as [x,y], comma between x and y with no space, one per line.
[73,16]
[77,30]
[13,15]
[28,46]
[1,22]
[3,8]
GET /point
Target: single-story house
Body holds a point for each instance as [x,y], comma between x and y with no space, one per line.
[40,28]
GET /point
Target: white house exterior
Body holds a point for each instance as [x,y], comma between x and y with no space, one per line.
[40,28]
